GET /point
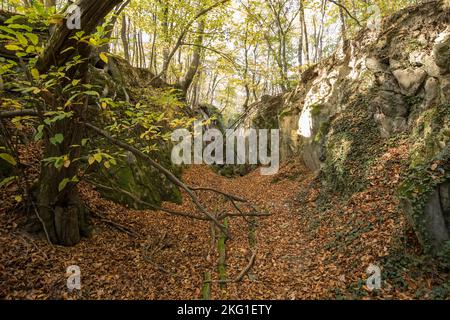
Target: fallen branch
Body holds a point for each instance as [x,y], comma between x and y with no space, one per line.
[18,113]
[116,225]
[160,168]
[179,213]
[241,275]
[146,204]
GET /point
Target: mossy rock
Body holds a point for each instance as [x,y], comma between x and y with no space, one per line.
[137,177]
[352,143]
[425,198]
[442,54]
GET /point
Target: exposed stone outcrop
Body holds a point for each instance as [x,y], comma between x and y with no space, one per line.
[381,85]
[132,182]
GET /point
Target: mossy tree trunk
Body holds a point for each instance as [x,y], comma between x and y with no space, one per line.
[62,212]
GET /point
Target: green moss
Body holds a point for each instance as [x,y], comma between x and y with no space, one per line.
[430,133]
[222,254]
[352,145]
[140,179]
[316,109]
[323,131]
[206,289]
[415,191]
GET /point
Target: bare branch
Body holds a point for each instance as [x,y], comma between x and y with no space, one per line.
[18,113]
[163,170]
[241,274]
[183,35]
[346,10]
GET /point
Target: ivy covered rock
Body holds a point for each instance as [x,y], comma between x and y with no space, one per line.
[426,199]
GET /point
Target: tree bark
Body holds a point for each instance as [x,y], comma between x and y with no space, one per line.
[196,57]
[62,212]
[124,36]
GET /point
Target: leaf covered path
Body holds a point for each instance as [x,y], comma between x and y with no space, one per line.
[301,252]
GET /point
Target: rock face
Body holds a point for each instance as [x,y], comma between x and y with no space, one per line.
[132,182]
[400,76]
[436,218]
[410,80]
[380,86]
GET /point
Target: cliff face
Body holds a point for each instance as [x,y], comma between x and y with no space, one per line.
[400,72]
[385,86]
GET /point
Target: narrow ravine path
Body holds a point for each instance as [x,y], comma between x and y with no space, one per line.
[304,250]
[279,240]
[113,263]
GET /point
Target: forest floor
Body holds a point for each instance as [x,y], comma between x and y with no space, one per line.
[305,250]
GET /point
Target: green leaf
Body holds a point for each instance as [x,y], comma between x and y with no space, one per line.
[20,26]
[3,36]
[92,93]
[22,40]
[104,57]
[57,139]
[63,184]
[35,73]
[40,133]
[98,157]
[68,49]
[8,158]
[13,47]
[7,181]
[33,38]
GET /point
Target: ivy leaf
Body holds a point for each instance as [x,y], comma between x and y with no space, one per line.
[57,139]
[8,158]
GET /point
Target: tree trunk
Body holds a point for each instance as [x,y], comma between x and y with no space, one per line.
[304,29]
[62,212]
[195,63]
[124,36]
